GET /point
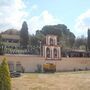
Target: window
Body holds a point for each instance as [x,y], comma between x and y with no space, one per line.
[51,41]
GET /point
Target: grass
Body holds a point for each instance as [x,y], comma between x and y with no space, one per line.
[56,81]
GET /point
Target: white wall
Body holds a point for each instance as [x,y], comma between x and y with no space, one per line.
[30,62]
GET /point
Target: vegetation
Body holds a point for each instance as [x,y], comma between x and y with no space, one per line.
[24,37]
[1,46]
[66,38]
[39,68]
[88,42]
[60,30]
[81,43]
[5,80]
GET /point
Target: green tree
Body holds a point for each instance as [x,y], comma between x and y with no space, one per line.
[80,43]
[65,36]
[88,41]
[24,37]
[1,46]
[71,40]
[34,44]
[40,36]
[5,80]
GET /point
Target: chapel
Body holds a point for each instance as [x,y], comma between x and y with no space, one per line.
[51,50]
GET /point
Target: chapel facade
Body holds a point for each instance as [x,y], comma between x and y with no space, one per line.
[51,50]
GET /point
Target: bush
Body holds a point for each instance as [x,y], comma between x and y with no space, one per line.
[86,68]
[39,68]
[5,80]
[74,69]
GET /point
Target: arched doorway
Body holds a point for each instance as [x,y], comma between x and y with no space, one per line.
[55,53]
[48,52]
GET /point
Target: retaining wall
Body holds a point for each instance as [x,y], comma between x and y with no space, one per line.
[30,62]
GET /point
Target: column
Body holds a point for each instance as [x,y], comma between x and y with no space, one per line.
[46,40]
[45,52]
[59,53]
[52,52]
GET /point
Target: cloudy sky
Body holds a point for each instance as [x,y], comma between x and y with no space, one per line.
[75,14]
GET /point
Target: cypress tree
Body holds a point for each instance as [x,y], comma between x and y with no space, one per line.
[5,80]
[24,37]
[88,41]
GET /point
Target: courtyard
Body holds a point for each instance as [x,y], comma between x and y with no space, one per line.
[79,80]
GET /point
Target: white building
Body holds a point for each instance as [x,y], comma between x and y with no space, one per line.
[51,50]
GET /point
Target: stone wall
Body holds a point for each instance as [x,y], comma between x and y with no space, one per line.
[30,63]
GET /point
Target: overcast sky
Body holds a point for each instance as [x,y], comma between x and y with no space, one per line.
[75,14]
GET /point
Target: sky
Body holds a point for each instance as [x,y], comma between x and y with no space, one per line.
[75,14]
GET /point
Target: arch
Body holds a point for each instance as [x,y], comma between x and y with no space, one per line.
[51,41]
[55,53]
[48,52]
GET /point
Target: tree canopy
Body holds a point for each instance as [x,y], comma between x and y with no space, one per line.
[65,37]
[80,43]
[24,37]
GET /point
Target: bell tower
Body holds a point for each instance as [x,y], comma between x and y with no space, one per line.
[51,50]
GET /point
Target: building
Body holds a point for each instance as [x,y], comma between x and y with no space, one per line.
[51,54]
[10,40]
[11,43]
[51,50]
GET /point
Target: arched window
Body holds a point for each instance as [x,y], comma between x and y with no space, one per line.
[48,53]
[55,53]
[51,41]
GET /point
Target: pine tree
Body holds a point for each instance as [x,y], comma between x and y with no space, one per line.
[24,38]
[5,80]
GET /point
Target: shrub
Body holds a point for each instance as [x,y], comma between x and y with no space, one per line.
[5,80]
[39,68]
[86,68]
[74,69]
